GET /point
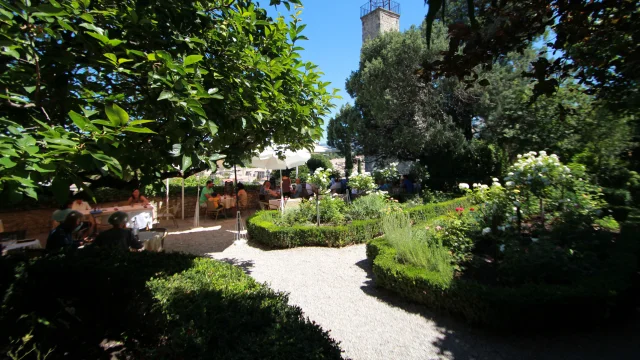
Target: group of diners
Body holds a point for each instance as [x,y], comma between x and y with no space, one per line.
[73,229]
[213,200]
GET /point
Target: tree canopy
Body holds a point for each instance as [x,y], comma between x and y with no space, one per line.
[596,43]
[469,134]
[341,134]
[132,91]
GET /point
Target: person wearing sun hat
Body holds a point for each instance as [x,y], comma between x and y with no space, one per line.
[118,237]
[62,236]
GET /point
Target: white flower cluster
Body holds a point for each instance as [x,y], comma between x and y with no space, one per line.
[362,182]
[320,178]
[537,169]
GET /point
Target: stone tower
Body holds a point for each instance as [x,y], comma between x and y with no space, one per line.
[379,16]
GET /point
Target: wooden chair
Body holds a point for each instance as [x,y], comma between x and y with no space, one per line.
[170,214]
[216,211]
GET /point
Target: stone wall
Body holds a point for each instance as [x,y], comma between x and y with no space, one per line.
[38,221]
[378,22]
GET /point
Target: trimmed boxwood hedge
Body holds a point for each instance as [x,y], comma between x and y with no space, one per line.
[150,306]
[262,229]
[532,306]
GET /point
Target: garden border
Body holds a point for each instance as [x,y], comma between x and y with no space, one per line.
[264,231]
[532,306]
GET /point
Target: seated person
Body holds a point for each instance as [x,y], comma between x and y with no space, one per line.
[79,204]
[118,237]
[336,188]
[384,187]
[213,201]
[407,184]
[206,192]
[61,238]
[243,197]
[298,190]
[266,193]
[136,198]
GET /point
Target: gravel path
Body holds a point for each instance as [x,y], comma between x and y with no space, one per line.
[334,288]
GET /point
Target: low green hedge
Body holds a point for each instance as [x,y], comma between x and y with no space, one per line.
[429,211]
[262,229]
[150,306]
[532,306]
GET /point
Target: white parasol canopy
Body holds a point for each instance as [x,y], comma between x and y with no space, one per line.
[268,159]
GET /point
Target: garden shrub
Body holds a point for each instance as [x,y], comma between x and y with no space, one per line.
[531,306]
[425,212]
[417,246]
[367,207]
[149,305]
[262,228]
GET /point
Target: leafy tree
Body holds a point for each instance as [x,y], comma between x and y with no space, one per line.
[110,92]
[401,116]
[341,134]
[596,42]
[318,161]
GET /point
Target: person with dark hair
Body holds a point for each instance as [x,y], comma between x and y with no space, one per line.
[407,184]
[242,197]
[118,237]
[61,237]
[285,186]
[206,192]
[136,198]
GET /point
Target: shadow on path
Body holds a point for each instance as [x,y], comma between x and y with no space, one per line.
[462,341]
[245,265]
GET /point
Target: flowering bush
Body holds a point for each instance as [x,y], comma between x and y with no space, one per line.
[388,174]
[362,182]
[321,179]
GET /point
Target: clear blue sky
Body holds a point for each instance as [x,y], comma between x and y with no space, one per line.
[334,30]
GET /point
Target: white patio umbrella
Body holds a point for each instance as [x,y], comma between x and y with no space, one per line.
[269,159]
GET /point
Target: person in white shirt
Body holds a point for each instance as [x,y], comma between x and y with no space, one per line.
[79,204]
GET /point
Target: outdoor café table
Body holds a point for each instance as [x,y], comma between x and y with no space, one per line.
[274,204]
[228,202]
[143,216]
[20,244]
[151,240]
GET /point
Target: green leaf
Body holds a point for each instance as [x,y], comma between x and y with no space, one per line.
[29,89]
[87,17]
[102,38]
[104,158]
[192,59]
[186,162]
[166,94]
[139,122]
[117,115]
[212,127]
[142,130]
[112,57]
[61,142]
[63,24]
[79,120]
[7,163]
[137,53]
[92,27]
[114,42]
[102,122]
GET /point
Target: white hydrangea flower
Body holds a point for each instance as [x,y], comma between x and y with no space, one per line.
[543,153]
[501,228]
[495,180]
[486,231]
[534,240]
[496,184]
[510,174]
[463,186]
[502,247]
[510,183]
[484,187]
